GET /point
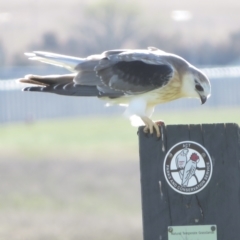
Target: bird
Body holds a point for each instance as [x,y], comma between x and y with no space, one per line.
[138,79]
[190,169]
[181,160]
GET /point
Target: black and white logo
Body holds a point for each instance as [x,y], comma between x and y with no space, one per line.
[187,167]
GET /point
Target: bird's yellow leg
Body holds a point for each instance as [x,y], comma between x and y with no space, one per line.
[150,126]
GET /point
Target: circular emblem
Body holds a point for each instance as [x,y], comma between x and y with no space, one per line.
[187,167]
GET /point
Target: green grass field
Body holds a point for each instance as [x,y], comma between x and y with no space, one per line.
[88,138]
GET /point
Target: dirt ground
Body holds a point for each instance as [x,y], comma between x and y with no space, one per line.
[56,199]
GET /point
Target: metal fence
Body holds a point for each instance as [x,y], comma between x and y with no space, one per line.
[16,105]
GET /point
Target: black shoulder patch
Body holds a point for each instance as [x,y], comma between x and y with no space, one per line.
[140,73]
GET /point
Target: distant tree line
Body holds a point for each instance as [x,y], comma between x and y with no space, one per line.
[117,25]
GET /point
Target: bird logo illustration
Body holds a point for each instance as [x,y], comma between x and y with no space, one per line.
[190,169]
[181,161]
[187,167]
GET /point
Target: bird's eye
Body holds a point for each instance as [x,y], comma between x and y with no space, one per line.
[199,88]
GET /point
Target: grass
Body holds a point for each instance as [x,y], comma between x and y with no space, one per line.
[84,139]
[77,138]
[57,200]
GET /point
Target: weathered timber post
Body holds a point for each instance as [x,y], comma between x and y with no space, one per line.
[218,203]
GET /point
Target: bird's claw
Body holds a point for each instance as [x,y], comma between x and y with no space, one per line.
[150,126]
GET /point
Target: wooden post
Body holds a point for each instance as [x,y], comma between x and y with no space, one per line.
[218,203]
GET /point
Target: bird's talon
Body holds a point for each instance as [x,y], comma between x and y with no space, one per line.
[151,126]
[151,130]
[145,129]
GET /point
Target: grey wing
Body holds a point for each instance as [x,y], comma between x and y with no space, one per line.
[126,72]
[134,73]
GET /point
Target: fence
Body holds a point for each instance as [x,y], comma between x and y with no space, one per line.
[16,105]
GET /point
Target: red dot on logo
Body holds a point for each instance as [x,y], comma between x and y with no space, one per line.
[194,157]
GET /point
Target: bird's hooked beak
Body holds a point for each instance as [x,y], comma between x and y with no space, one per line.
[203,99]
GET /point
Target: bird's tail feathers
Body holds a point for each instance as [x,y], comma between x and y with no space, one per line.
[59,84]
[47,80]
[67,62]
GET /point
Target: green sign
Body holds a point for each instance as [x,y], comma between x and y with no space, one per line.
[196,232]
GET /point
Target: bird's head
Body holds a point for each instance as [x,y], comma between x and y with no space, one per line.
[196,84]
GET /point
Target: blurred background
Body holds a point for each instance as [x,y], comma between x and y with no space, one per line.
[69,166]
